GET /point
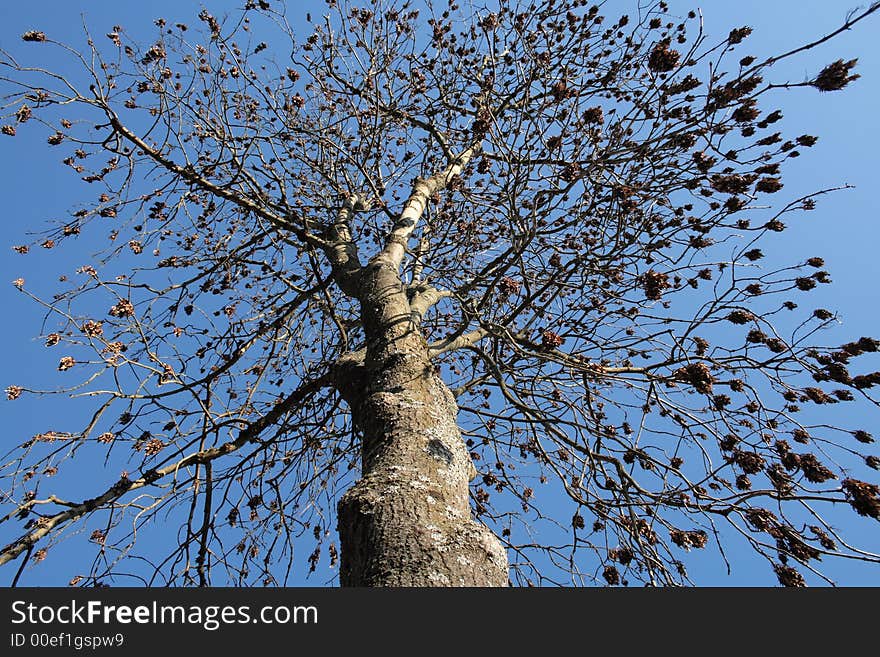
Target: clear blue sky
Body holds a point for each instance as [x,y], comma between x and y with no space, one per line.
[844,229]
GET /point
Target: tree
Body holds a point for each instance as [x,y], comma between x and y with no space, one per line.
[421,248]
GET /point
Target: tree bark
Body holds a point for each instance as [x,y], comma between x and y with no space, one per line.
[407,521]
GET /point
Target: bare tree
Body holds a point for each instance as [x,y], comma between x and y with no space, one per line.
[439,257]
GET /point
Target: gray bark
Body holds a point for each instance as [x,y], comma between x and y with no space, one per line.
[407,521]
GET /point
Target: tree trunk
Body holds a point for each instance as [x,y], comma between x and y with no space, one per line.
[407,521]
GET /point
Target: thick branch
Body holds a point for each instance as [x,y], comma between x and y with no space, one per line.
[188,174]
[342,250]
[76,510]
[458,342]
[424,188]
[424,298]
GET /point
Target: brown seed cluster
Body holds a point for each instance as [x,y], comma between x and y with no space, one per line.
[768,185]
[780,479]
[800,436]
[654,283]
[696,374]
[154,54]
[740,317]
[817,396]
[571,172]
[805,284]
[789,541]
[641,527]
[738,34]
[13,392]
[835,76]
[862,345]
[593,115]
[33,35]
[761,519]
[863,436]
[750,462]
[814,471]
[689,539]
[720,402]
[622,555]
[153,447]
[731,184]
[551,339]
[123,308]
[114,347]
[788,576]
[663,58]
[756,336]
[93,329]
[508,285]
[776,345]
[824,539]
[611,575]
[863,497]
[746,112]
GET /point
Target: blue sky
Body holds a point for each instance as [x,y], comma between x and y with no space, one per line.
[843,229]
